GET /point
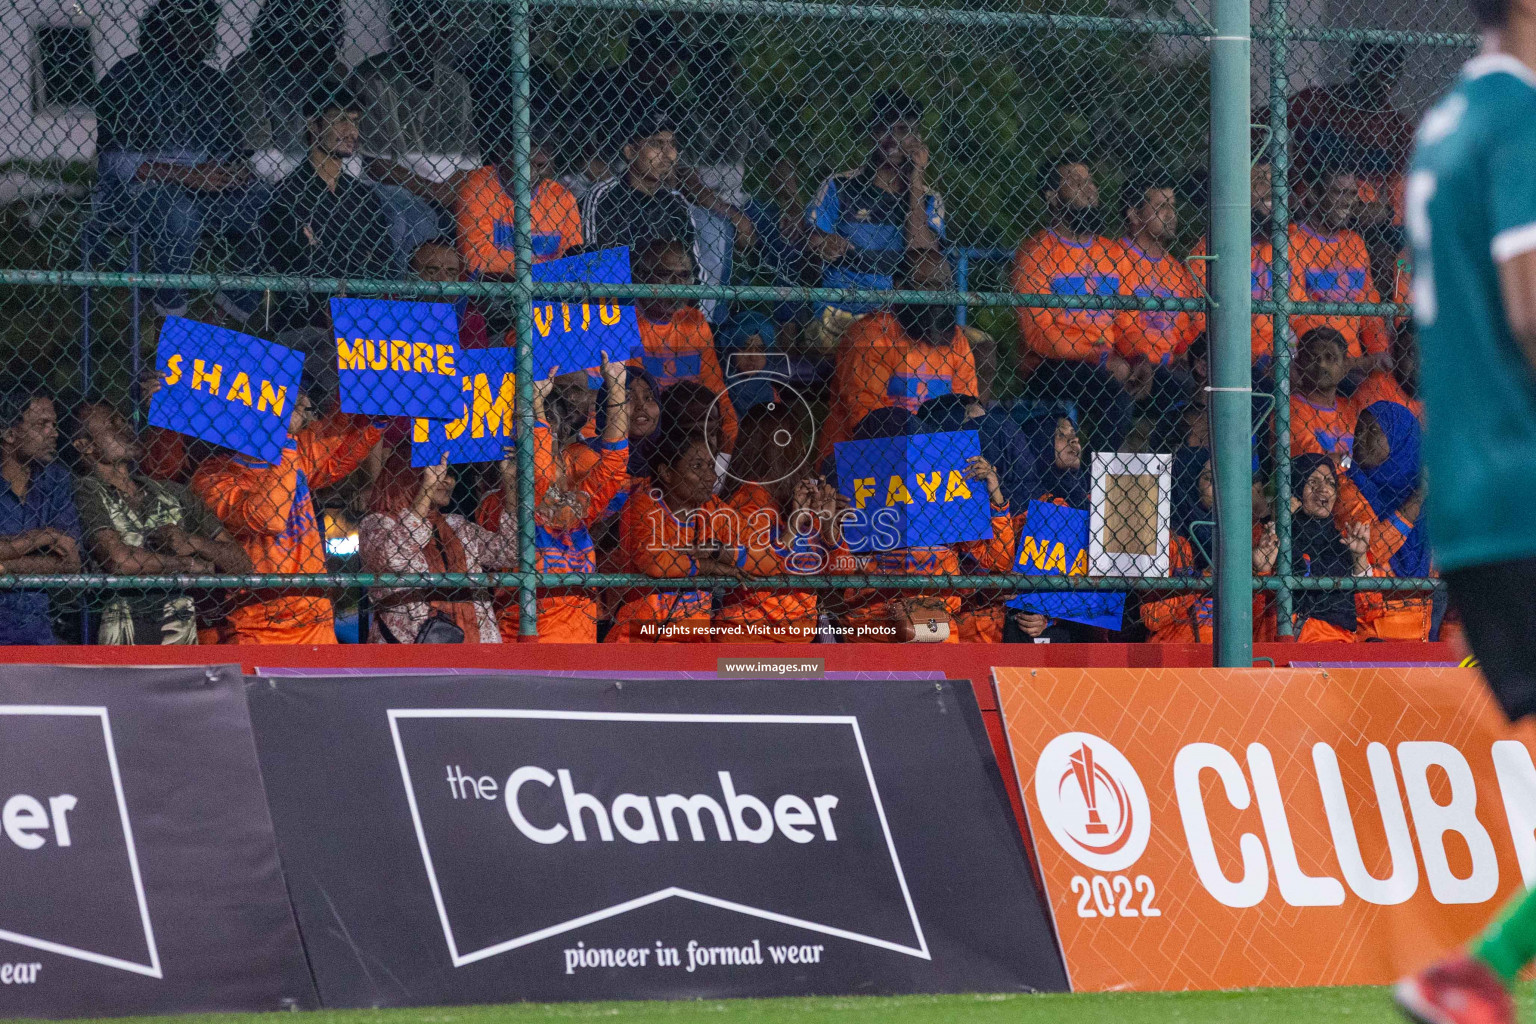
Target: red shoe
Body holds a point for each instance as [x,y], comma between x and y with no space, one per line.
[1460,991]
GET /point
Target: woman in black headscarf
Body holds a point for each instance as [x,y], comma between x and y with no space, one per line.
[1318,549]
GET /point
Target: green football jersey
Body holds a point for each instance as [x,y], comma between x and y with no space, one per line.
[1471,204]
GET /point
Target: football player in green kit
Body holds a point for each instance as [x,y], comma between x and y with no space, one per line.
[1471,216]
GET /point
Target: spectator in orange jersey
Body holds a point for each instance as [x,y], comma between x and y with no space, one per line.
[1322,420]
[886,616]
[901,358]
[1320,549]
[269,508]
[1330,263]
[1159,339]
[1384,490]
[574,485]
[1261,264]
[486,218]
[678,529]
[778,503]
[1080,364]
[1356,116]
[408,532]
[1189,618]
[678,344]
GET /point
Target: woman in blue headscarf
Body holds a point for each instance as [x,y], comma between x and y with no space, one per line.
[1384,490]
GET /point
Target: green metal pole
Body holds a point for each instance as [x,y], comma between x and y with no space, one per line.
[1231,401]
[1280,292]
[522,299]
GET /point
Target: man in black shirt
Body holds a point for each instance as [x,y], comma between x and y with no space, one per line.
[323,222]
[638,205]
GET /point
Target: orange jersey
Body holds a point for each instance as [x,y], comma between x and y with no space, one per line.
[1261,258]
[1323,430]
[1190,618]
[269,508]
[486,222]
[1047,264]
[1381,386]
[1336,268]
[1156,336]
[872,607]
[684,349]
[1383,615]
[655,542]
[879,367]
[783,616]
[568,617]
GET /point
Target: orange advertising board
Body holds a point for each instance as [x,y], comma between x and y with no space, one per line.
[1217,828]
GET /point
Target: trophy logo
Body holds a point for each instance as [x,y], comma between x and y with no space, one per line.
[1093,802]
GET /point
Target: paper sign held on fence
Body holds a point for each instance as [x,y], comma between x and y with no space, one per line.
[912,492]
[1055,543]
[225,387]
[486,424]
[397,358]
[573,334]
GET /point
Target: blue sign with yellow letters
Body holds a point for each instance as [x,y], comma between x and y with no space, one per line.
[573,335]
[225,387]
[1054,542]
[486,424]
[397,358]
[909,492]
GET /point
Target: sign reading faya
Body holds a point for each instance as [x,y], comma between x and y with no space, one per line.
[913,489]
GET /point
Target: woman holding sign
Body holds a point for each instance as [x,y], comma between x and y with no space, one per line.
[573,488]
[407,532]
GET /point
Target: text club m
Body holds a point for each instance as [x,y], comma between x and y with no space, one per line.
[1410,786]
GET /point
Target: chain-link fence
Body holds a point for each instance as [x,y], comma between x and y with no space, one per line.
[905,310]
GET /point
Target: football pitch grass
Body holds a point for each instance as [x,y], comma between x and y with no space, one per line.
[1264,1006]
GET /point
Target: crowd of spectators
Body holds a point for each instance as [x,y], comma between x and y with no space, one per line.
[697,456]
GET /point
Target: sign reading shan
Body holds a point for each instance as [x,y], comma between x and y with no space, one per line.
[225,387]
[501,838]
[397,358]
[141,873]
[486,425]
[573,335]
[907,492]
[1279,827]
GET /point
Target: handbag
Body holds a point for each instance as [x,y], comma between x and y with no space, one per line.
[438,629]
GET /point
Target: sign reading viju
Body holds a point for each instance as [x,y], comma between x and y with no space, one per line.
[670,839]
[140,869]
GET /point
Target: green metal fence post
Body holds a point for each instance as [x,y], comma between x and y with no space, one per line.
[1231,401]
[522,297]
[1280,293]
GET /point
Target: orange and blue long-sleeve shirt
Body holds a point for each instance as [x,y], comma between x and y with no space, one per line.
[1323,430]
[774,616]
[486,222]
[563,546]
[871,607]
[269,508]
[1336,268]
[655,541]
[1190,618]
[1383,615]
[1047,264]
[1156,336]
[681,349]
[879,367]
